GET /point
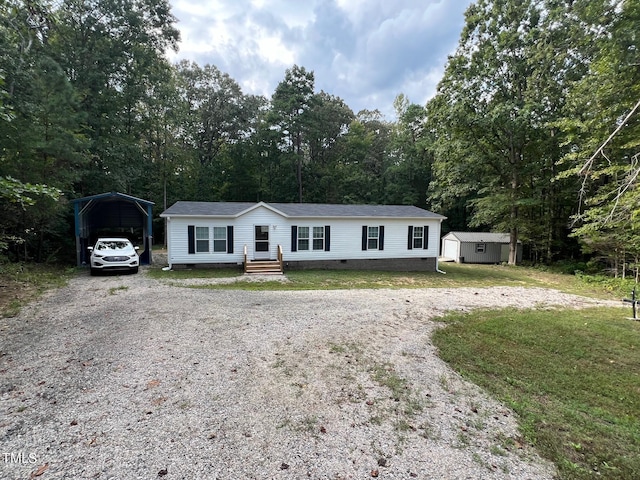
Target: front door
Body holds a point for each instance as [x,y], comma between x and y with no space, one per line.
[261,244]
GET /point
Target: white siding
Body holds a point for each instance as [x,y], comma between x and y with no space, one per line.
[345,238]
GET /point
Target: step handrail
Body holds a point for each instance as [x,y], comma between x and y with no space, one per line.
[245,258]
[280,258]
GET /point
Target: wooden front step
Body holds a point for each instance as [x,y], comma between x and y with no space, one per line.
[264,267]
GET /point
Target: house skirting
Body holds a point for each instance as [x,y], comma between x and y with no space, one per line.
[383,264]
[388,264]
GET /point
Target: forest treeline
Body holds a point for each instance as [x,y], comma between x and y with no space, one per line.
[532,129]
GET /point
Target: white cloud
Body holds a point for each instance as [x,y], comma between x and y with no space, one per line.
[365,51]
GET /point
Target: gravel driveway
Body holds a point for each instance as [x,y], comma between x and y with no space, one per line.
[125,377]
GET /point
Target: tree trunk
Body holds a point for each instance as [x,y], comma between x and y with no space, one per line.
[513,232]
[299,172]
[513,246]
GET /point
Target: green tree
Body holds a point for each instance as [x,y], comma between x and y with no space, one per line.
[363,159]
[603,129]
[41,140]
[493,115]
[329,121]
[113,53]
[408,171]
[291,106]
[220,119]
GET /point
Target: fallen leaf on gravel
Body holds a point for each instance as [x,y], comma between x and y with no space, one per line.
[73,422]
[152,384]
[382,462]
[323,430]
[40,470]
[374,473]
[163,472]
[284,466]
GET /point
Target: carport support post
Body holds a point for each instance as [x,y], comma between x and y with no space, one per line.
[76,216]
[149,232]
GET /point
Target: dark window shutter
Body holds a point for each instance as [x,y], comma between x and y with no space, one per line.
[381,238]
[425,239]
[294,238]
[327,238]
[229,238]
[410,238]
[191,234]
[364,237]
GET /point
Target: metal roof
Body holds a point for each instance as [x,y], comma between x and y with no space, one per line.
[299,210]
[112,195]
[480,237]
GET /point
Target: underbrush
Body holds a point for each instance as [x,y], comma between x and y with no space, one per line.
[21,283]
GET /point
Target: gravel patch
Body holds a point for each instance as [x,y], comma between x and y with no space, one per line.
[126,377]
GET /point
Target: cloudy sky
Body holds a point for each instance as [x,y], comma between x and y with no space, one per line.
[364,51]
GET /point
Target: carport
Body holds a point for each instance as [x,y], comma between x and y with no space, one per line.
[113,214]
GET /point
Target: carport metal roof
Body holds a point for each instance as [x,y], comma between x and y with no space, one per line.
[111,210]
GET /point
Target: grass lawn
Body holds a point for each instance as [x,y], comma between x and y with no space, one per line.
[573,376]
[458,275]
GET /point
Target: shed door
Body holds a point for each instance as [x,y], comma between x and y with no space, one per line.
[261,242]
[450,249]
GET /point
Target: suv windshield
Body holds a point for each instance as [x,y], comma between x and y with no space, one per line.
[113,245]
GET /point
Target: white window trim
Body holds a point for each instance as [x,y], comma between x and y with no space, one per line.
[197,239]
[301,238]
[224,238]
[321,229]
[416,237]
[371,237]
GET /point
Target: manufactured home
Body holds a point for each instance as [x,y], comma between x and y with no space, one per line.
[478,247]
[302,235]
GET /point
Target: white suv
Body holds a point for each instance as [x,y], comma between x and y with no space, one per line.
[114,254]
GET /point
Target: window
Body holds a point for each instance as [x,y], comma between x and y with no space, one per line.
[307,238]
[318,238]
[372,238]
[418,237]
[202,239]
[480,247]
[303,238]
[220,239]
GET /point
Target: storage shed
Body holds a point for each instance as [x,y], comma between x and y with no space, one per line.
[478,247]
[113,214]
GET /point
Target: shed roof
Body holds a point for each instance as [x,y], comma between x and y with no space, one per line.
[480,237]
[299,210]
